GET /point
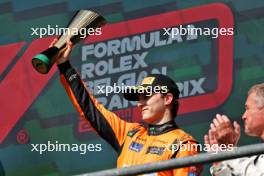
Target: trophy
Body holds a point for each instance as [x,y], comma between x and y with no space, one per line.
[83,19]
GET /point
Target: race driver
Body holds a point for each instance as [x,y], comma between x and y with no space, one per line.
[135,143]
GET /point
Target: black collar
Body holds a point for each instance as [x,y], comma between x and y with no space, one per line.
[154,130]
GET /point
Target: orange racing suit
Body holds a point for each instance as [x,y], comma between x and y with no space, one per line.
[135,143]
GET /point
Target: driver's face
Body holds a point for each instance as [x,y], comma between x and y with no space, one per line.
[152,107]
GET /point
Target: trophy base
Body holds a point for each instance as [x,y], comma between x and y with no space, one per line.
[41,63]
[44,61]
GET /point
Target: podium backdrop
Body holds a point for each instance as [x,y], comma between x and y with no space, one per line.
[213,73]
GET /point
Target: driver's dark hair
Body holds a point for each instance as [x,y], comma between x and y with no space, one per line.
[175,107]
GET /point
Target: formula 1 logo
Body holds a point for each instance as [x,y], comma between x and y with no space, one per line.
[21,84]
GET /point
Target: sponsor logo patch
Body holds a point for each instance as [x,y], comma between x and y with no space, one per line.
[132,132]
[155,150]
[136,147]
[148,80]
